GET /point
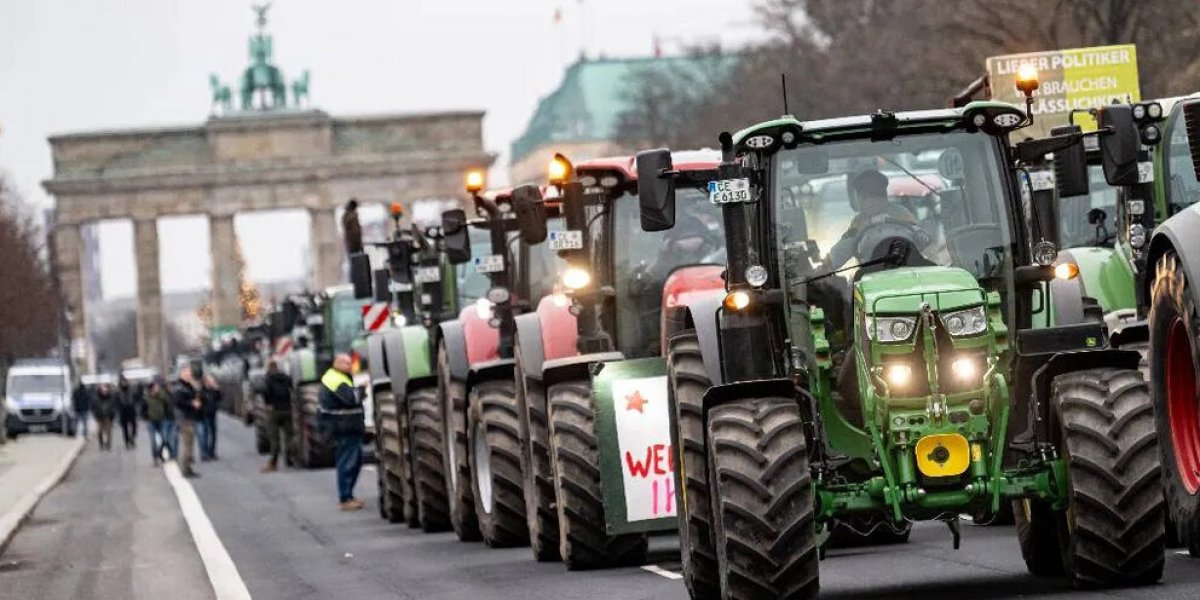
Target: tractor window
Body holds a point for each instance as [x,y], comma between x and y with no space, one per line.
[642,261]
[471,285]
[841,204]
[543,265]
[1184,189]
[347,317]
[1089,220]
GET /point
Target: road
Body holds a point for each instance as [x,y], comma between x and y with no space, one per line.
[114,529]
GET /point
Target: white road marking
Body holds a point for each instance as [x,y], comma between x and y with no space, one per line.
[370,468]
[1183,553]
[661,572]
[222,573]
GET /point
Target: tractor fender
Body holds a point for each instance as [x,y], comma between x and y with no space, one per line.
[377,367]
[549,333]
[730,393]
[529,343]
[1067,295]
[407,352]
[1067,362]
[574,367]
[1180,233]
[480,339]
[493,369]
[450,334]
[681,288]
[698,311]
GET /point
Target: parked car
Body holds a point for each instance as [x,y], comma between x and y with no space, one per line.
[37,398]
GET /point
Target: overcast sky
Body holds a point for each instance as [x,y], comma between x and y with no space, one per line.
[71,65]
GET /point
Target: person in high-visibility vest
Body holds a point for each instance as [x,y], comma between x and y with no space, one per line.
[341,414]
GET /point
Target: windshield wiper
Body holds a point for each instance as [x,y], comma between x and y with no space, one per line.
[898,252]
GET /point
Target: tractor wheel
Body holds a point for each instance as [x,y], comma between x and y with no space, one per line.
[316,447]
[762,496]
[540,514]
[1115,522]
[495,441]
[408,487]
[1039,531]
[453,398]
[575,454]
[688,382]
[387,448]
[1175,330]
[425,433]
[262,445]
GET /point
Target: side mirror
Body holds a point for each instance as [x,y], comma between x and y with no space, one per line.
[1070,165]
[360,275]
[656,190]
[455,239]
[531,216]
[383,292]
[1191,121]
[1119,148]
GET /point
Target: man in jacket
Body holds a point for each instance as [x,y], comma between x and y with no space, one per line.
[278,398]
[341,415]
[189,410]
[105,409]
[211,397]
[127,412]
[351,228]
[157,402]
[81,399]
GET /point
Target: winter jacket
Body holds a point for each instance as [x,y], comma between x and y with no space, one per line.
[82,399]
[278,392]
[158,405]
[212,401]
[341,411]
[105,405]
[352,232]
[182,397]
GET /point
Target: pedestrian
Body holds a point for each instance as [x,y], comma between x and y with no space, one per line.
[127,412]
[352,229]
[341,416]
[105,409]
[157,401]
[170,427]
[81,401]
[278,398]
[189,410]
[211,395]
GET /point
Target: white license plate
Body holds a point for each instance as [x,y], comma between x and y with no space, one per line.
[427,274]
[728,191]
[566,240]
[492,263]
[38,429]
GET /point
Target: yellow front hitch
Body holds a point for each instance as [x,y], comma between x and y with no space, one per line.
[943,455]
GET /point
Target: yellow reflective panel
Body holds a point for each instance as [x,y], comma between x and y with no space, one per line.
[943,455]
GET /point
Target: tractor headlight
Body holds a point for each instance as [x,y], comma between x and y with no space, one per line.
[576,278]
[890,329]
[498,295]
[756,275]
[897,375]
[971,321]
[966,368]
[483,308]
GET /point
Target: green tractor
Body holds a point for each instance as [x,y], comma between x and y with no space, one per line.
[885,363]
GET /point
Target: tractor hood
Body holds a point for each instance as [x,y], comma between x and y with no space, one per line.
[902,291]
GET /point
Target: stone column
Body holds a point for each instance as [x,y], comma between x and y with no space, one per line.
[328,252]
[149,307]
[68,247]
[227,307]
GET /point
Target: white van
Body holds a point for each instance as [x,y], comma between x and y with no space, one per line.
[37,398]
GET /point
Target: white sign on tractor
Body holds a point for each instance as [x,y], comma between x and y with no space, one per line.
[644,440]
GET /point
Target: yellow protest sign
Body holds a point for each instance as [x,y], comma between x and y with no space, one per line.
[1075,79]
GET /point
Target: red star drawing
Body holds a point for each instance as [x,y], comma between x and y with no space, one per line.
[635,401]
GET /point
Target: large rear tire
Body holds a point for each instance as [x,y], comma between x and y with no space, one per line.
[495,441]
[1173,364]
[1115,521]
[540,513]
[762,495]
[574,450]
[425,432]
[687,382]
[387,448]
[315,446]
[453,398]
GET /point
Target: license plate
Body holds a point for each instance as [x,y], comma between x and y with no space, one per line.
[728,191]
[492,263]
[427,274]
[1145,172]
[38,429]
[566,240]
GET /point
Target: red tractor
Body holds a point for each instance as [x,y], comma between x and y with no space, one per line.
[591,379]
[475,362]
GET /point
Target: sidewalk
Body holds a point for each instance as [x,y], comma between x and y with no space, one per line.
[30,466]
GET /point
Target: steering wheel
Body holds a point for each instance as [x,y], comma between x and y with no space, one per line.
[888,227]
[969,242]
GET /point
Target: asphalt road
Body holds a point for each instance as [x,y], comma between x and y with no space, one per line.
[114,530]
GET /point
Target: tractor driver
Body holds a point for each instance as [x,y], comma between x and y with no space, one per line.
[877,220]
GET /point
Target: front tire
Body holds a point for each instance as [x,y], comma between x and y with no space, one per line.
[762,496]
[1173,363]
[540,513]
[315,446]
[387,448]
[1115,522]
[495,440]
[453,398]
[687,383]
[574,450]
[425,433]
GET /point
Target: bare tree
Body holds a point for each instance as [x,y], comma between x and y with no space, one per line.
[28,303]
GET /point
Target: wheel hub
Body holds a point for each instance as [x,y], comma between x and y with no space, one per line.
[483,468]
[1183,413]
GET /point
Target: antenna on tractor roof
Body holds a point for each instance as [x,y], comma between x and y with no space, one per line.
[783,84]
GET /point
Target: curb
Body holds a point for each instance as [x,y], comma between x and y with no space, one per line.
[12,520]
